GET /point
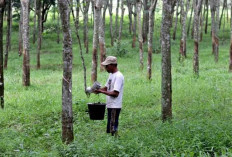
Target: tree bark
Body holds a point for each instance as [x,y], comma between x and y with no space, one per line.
[222,14]
[8,33]
[121,22]
[176,22]
[166,85]
[26,58]
[20,37]
[116,21]
[34,28]
[150,38]
[134,27]
[39,37]
[207,13]
[111,22]
[86,19]
[2,6]
[67,115]
[97,13]
[190,20]
[102,42]
[129,5]
[140,33]
[184,12]
[197,9]
[215,26]
[230,63]
[77,12]
[145,20]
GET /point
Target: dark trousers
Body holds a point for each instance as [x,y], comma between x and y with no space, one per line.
[113,116]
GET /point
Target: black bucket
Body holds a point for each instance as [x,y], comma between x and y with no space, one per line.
[96,111]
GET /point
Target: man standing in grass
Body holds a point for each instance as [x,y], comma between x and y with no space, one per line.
[114,91]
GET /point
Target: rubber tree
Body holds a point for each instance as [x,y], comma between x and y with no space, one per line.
[214,6]
[197,9]
[34,28]
[140,32]
[166,83]
[2,6]
[25,33]
[8,36]
[86,19]
[20,35]
[97,14]
[67,115]
[150,37]
[230,63]
[176,20]
[39,36]
[184,13]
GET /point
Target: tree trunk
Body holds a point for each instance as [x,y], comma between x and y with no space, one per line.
[184,12]
[214,20]
[67,115]
[207,13]
[150,38]
[129,15]
[77,12]
[222,14]
[86,19]
[166,85]
[230,65]
[8,33]
[39,38]
[197,9]
[34,28]
[176,21]
[26,58]
[116,21]
[20,37]
[58,28]
[190,20]
[140,33]
[145,20]
[97,13]
[121,22]
[102,42]
[134,27]
[2,6]
[111,22]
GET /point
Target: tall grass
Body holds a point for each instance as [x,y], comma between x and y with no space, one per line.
[201,126]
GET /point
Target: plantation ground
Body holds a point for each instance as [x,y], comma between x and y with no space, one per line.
[202,113]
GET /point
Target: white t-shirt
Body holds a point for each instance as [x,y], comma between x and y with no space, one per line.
[115,82]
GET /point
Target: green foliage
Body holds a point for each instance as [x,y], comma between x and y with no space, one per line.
[201,126]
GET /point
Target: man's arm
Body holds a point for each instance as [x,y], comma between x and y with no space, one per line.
[109,93]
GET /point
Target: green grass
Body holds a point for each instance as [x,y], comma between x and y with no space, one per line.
[201,126]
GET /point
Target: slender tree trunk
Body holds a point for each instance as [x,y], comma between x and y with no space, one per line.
[207,13]
[39,38]
[54,12]
[121,22]
[134,27]
[190,20]
[222,14]
[34,28]
[214,20]
[67,115]
[86,19]
[111,22]
[176,21]
[166,85]
[2,6]
[140,33]
[26,58]
[20,37]
[230,65]
[150,38]
[145,20]
[129,15]
[58,28]
[184,13]
[8,33]
[102,42]
[197,10]
[77,12]
[97,13]
[116,21]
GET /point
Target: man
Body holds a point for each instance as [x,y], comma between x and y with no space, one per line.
[114,91]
